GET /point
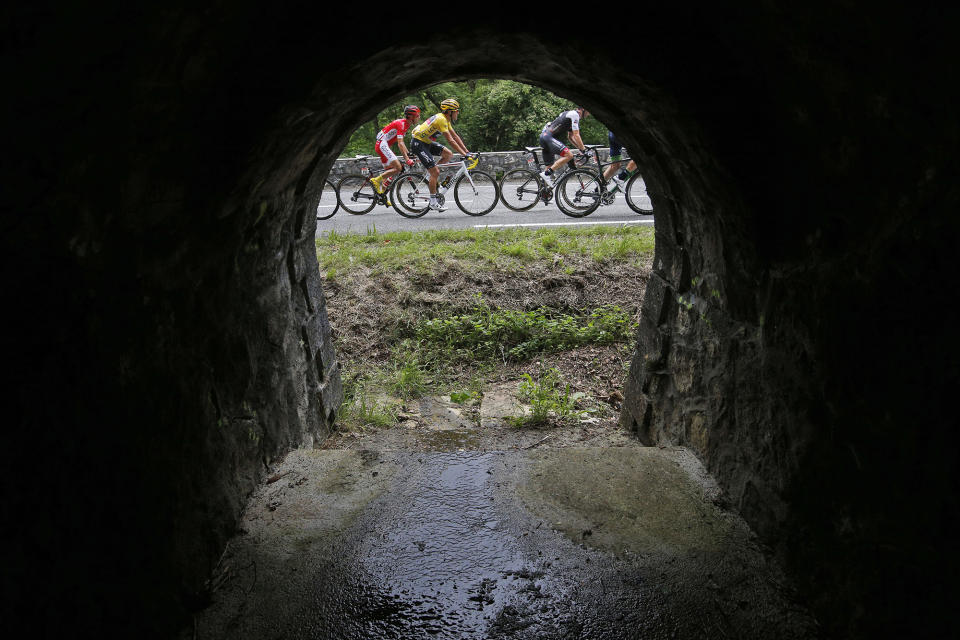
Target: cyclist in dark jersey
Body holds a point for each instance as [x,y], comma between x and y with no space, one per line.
[567,123]
[615,150]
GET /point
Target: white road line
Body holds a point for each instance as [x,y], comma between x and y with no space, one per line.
[562,224]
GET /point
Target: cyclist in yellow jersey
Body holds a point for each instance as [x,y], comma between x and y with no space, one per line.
[424,144]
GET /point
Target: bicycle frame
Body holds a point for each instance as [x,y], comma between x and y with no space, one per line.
[366,172]
[449,180]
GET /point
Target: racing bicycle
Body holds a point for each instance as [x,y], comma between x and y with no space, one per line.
[581,191]
[357,195]
[328,204]
[522,188]
[475,192]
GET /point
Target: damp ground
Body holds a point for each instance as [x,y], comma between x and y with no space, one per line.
[416,532]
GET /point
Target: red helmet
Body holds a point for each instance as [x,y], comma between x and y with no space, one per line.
[411,110]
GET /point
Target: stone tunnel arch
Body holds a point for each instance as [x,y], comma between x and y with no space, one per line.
[162,168]
[700,318]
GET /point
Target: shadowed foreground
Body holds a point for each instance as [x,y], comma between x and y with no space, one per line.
[566,543]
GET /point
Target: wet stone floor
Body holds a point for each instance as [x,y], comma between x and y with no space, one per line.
[585,542]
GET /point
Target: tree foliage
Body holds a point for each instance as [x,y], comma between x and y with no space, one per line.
[495,115]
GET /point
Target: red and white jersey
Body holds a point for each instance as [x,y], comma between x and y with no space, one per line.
[393,131]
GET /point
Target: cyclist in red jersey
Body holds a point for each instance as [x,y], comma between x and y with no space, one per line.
[389,135]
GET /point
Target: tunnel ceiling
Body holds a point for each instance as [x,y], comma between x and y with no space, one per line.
[170,340]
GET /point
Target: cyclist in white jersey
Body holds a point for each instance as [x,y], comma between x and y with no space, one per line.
[568,123]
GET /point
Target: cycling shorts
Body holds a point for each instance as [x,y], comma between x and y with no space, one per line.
[616,149]
[426,151]
[551,147]
[385,152]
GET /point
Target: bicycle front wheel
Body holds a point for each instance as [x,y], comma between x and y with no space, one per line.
[476,193]
[636,195]
[579,193]
[356,194]
[328,204]
[411,195]
[520,189]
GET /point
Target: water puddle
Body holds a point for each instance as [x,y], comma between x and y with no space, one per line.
[448,559]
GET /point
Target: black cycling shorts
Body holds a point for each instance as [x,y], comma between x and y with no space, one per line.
[551,147]
[426,151]
[615,147]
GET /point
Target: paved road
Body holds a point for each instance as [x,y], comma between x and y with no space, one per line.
[383,219]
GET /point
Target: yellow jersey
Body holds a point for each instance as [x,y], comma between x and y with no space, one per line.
[434,125]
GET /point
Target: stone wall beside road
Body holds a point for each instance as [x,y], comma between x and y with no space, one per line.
[493,162]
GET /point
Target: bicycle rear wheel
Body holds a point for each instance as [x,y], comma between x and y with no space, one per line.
[579,193]
[328,204]
[356,194]
[520,189]
[411,195]
[478,195]
[636,195]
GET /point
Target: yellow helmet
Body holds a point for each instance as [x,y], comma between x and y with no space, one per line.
[449,105]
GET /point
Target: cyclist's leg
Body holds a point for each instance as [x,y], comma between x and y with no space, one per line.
[422,151]
[445,154]
[436,149]
[392,169]
[565,156]
[628,171]
[389,160]
[546,145]
[616,149]
[551,149]
[612,168]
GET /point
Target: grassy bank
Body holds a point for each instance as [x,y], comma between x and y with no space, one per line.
[450,312]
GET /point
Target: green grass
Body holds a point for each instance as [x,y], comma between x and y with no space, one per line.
[492,335]
[549,398]
[359,410]
[421,251]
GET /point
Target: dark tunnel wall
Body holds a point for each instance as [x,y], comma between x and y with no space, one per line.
[169,340]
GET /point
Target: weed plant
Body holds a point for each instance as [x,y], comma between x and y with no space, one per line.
[549,398]
[508,335]
[359,411]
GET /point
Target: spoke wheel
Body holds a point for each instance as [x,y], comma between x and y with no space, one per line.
[356,194]
[636,195]
[328,204]
[520,189]
[411,195]
[579,193]
[479,197]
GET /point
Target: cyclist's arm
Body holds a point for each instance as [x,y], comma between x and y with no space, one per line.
[576,140]
[403,148]
[455,141]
